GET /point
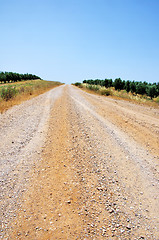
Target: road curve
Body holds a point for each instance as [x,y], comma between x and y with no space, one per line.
[76,165]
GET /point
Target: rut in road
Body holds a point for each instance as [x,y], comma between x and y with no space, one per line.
[97,178]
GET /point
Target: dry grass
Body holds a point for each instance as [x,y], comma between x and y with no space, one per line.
[111,92]
[26,90]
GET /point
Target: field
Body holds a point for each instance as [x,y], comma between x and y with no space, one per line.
[22,91]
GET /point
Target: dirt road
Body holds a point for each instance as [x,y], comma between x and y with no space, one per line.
[79,166]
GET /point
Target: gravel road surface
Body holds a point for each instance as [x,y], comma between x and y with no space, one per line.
[76,165]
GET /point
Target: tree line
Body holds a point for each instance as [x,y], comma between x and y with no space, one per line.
[16,77]
[150,89]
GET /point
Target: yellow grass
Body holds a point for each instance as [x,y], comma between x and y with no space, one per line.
[26,90]
[122,95]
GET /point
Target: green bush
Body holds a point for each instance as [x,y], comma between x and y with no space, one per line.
[105,92]
[95,88]
[90,87]
[8,93]
[78,84]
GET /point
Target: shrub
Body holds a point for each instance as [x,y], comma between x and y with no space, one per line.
[8,93]
[157,100]
[77,84]
[29,90]
[95,87]
[90,87]
[106,92]
[22,90]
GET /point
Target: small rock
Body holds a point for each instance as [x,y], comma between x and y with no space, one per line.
[128,227]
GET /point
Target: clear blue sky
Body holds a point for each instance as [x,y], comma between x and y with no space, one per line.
[73,40]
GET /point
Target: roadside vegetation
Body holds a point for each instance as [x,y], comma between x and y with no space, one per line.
[138,91]
[9,77]
[15,93]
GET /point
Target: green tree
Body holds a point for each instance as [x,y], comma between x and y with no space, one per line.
[106,83]
[127,86]
[133,87]
[141,88]
[152,91]
[118,84]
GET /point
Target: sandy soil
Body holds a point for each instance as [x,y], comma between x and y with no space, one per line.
[79,166]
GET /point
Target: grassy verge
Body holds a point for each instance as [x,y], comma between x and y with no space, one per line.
[137,98]
[14,93]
